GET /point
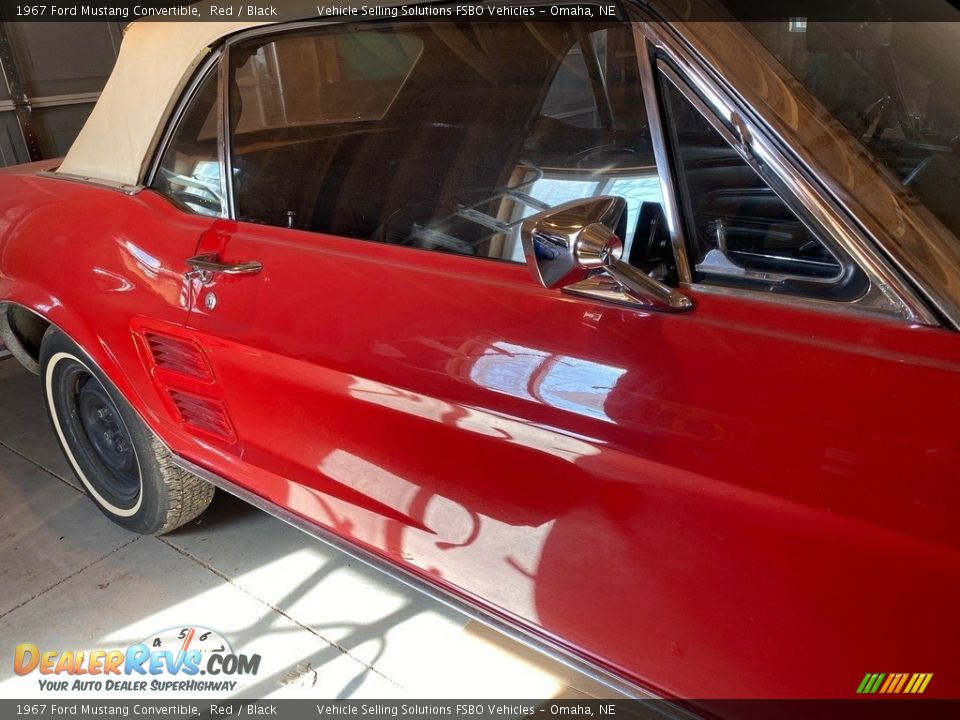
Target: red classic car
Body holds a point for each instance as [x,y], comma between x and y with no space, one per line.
[638,339]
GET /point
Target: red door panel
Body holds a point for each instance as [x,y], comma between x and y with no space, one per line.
[702,501]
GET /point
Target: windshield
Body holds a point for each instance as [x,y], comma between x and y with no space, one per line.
[895,86]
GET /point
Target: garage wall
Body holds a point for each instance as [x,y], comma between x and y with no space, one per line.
[11,146]
[52,74]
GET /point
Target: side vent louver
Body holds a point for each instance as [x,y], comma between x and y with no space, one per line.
[204,414]
[179,355]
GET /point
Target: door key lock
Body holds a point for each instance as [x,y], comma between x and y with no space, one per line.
[204,277]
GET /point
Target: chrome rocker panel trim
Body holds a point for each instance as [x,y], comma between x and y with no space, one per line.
[662,707]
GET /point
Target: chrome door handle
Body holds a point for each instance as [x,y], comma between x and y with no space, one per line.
[211,264]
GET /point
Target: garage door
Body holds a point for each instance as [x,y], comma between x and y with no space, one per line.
[52,76]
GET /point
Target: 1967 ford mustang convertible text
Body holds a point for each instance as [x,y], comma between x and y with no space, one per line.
[636,337]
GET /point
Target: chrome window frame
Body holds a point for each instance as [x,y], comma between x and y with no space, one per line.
[889,294]
[159,149]
[772,181]
[224,141]
[668,186]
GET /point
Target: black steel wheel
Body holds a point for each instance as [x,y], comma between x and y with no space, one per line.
[125,469]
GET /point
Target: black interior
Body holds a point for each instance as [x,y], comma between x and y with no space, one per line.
[454,136]
[895,86]
[740,230]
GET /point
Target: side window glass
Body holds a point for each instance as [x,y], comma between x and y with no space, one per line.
[189,171]
[434,135]
[893,85]
[739,230]
[590,137]
[570,95]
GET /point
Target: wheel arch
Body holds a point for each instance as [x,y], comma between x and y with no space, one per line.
[24,324]
[22,331]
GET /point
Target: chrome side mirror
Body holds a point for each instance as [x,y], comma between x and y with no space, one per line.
[569,245]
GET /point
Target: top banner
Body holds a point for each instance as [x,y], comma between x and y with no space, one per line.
[507,10]
[290,10]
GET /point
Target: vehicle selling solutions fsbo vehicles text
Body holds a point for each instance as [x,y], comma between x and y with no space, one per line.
[464,10]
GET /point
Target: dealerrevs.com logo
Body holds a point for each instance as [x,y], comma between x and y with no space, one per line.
[179,660]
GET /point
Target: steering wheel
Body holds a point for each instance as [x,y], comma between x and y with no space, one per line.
[875,113]
[210,200]
[578,160]
[207,203]
[885,111]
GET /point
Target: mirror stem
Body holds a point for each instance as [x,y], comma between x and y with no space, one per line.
[645,289]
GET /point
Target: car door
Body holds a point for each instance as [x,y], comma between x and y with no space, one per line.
[348,369]
[696,500]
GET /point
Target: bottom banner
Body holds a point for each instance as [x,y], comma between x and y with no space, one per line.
[488,709]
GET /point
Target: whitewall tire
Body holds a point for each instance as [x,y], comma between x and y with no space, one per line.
[124,467]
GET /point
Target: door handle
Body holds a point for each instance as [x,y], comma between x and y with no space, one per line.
[211,264]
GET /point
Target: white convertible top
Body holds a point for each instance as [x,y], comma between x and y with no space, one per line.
[155,63]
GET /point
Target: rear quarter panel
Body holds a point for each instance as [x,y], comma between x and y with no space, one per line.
[91,260]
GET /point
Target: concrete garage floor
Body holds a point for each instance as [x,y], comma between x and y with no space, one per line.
[324,625]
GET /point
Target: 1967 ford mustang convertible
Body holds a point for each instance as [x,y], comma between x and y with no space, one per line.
[636,338]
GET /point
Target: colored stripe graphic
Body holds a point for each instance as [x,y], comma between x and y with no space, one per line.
[871,681]
[894,683]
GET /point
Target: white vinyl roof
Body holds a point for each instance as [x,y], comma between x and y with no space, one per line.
[155,63]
